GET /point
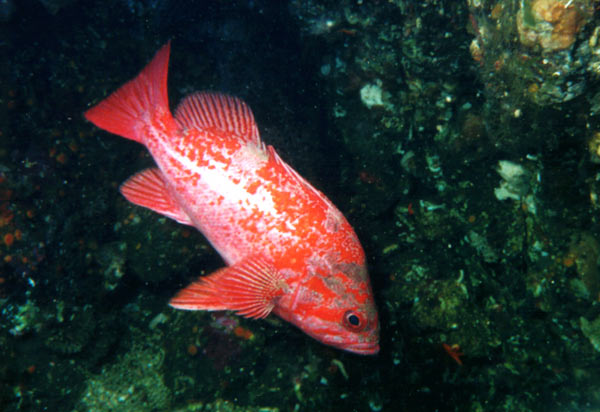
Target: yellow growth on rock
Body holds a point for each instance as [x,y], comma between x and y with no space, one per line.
[553,24]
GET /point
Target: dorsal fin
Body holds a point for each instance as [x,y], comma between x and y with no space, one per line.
[274,157]
[204,110]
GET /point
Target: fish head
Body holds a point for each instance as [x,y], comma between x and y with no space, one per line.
[335,306]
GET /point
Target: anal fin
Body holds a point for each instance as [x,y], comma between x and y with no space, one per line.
[148,189]
[250,287]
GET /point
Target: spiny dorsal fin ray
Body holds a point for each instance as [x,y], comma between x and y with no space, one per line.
[204,110]
[274,157]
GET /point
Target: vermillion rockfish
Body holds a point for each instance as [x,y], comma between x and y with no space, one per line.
[288,249]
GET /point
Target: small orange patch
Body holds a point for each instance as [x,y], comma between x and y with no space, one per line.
[6,218]
[9,239]
[61,158]
[497,10]
[568,261]
[18,234]
[472,219]
[243,333]
[192,349]
[533,88]
[253,187]
[454,352]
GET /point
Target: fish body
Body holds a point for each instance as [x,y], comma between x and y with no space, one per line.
[288,249]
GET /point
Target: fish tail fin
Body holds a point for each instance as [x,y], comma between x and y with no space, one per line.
[138,102]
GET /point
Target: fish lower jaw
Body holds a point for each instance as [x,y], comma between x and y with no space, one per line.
[363,348]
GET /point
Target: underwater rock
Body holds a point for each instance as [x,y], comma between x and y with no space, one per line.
[594,147]
[591,330]
[23,318]
[133,383]
[71,335]
[111,258]
[221,405]
[482,246]
[584,251]
[441,304]
[528,51]
[154,247]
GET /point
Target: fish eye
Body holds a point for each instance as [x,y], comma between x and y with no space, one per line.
[353,321]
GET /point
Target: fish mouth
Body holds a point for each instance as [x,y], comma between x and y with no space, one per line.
[363,348]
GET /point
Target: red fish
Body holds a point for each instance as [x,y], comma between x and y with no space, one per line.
[288,249]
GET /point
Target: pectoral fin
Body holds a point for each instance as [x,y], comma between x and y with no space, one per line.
[250,288]
[148,189]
